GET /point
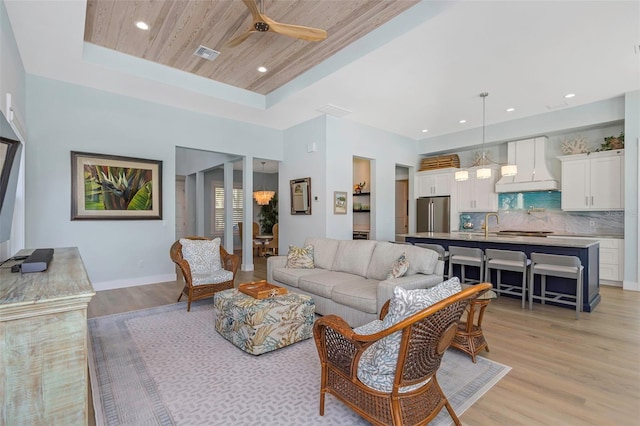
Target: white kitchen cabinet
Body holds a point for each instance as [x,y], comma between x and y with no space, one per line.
[434,183]
[593,181]
[477,195]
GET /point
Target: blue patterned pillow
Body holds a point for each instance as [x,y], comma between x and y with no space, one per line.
[203,256]
[377,365]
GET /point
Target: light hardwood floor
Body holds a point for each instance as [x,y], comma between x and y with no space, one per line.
[564,371]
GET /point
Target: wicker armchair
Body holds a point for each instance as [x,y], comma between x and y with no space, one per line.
[194,290]
[426,335]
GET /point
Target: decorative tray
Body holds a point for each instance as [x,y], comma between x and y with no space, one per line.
[261,289]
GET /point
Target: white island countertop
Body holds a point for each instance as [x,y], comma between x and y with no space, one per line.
[508,239]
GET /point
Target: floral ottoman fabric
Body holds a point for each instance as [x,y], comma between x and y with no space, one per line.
[258,326]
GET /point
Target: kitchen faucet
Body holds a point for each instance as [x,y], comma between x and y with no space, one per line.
[486,222]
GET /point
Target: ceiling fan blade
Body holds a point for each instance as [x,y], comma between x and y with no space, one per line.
[296,31]
[242,37]
[253,8]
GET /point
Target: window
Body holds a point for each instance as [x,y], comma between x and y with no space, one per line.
[218,207]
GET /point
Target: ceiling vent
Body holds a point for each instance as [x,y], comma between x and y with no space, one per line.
[206,53]
[336,111]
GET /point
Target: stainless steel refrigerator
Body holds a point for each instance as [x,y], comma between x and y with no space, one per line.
[433,214]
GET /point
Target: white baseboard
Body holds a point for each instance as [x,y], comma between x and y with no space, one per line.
[133,282]
[245,267]
[630,285]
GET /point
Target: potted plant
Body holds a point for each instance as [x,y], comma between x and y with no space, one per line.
[269,215]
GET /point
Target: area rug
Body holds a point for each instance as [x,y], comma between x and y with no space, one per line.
[167,366]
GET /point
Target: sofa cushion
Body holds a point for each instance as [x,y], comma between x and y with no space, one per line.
[322,282]
[203,256]
[421,260]
[324,251]
[290,276]
[358,294]
[300,257]
[354,257]
[383,257]
[399,267]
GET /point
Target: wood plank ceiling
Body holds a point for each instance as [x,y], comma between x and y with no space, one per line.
[178,28]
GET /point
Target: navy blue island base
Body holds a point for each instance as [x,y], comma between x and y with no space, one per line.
[588,251]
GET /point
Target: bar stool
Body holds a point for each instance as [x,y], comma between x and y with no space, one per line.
[508,260]
[555,265]
[442,253]
[466,256]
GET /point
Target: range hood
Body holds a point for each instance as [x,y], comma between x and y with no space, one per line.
[533,175]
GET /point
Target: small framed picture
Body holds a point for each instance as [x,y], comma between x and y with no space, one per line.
[339,202]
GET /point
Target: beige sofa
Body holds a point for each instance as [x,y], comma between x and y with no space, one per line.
[350,277]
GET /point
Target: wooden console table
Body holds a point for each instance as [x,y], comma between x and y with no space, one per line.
[43,342]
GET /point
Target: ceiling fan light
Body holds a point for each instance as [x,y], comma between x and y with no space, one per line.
[509,170]
[483,173]
[461,175]
[263,197]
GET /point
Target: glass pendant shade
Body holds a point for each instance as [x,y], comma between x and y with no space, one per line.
[483,173]
[263,197]
[509,170]
[461,175]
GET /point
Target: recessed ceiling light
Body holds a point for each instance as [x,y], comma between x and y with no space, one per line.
[425,130]
[569,95]
[142,25]
[262,69]
[510,109]
[462,121]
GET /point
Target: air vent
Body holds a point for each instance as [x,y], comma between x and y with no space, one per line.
[336,111]
[557,106]
[206,53]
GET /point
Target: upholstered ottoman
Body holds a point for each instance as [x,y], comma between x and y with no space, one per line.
[261,325]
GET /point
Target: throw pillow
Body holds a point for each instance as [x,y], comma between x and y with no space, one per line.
[383,357]
[203,256]
[399,267]
[300,257]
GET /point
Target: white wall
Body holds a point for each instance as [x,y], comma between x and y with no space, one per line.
[65,117]
[345,140]
[299,163]
[12,80]
[631,189]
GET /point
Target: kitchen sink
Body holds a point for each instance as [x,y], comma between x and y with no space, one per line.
[518,233]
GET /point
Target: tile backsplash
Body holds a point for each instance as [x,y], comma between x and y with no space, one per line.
[540,211]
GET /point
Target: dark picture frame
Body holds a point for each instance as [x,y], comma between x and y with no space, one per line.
[300,196]
[112,187]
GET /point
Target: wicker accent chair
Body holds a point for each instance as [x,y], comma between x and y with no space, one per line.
[230,262]
[426,335]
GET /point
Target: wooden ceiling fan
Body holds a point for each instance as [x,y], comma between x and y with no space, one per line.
[262,23]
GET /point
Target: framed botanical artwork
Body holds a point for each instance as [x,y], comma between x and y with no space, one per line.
[339,202]
[300,196]
[111,187]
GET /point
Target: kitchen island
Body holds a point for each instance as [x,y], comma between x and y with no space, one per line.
[588,251]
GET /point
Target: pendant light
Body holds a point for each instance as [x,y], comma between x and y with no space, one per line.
[263,197]
[484,172]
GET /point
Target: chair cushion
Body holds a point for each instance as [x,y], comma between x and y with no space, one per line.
[399,267]
[381,358]
[300,257]
[217,277]
[203,256]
